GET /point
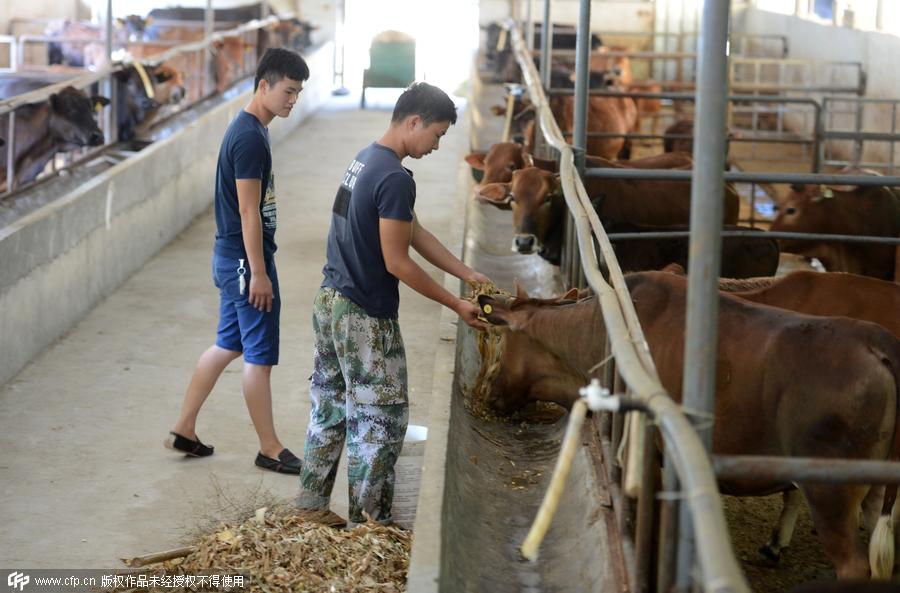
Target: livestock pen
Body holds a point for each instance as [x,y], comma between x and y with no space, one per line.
[103,392]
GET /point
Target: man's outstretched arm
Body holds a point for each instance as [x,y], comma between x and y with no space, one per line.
[395,240]
[427,245]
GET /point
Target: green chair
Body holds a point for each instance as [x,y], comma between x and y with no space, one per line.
[392,62]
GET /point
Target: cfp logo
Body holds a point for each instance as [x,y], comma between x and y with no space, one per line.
[18,580]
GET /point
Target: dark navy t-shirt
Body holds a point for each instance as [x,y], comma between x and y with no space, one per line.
[375,186]
[244,154]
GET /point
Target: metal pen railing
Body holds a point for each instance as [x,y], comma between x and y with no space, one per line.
[581,248]
[718,567]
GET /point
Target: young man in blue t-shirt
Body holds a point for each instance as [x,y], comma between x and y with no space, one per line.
[359,381]
[243,265]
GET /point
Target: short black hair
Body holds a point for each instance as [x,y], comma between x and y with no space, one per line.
[427,101]
[278,63]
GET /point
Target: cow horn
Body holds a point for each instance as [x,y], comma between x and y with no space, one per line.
[521,293]
[142,73]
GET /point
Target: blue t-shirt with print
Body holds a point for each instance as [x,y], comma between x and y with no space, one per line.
[245,154]
[374,186]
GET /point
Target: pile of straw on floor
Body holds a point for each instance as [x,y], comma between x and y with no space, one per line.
[279,551]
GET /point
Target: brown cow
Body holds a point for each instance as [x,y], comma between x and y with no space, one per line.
[679,137]
[621,76]
[786,384]
[63,122]
[503,158]
[611,115]
[829,294]
[231,55]
[538,205]
[842,210]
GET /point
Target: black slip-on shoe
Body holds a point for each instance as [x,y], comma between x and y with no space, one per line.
[287,463]
[191,448]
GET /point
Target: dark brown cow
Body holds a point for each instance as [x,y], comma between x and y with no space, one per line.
[141,92]
[538,206]
[63,122]
[503,158]
[786,384]
[679,137]
[742,257]
[842,210]
[829,294]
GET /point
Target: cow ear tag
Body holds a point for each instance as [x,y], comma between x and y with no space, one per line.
[487,309]
[98,106]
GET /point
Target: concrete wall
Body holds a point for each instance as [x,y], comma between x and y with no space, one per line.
[876,51]
[61,260]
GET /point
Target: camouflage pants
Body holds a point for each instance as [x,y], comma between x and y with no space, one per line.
[358,391]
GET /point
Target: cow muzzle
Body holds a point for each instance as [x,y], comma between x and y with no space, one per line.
[525,243]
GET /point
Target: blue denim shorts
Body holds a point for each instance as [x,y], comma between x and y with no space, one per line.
[242,327]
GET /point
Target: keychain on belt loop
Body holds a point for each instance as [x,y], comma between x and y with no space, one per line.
[242,284]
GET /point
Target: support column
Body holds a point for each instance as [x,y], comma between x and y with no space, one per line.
[582,62]
[701,335]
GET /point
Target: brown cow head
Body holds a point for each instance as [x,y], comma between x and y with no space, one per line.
[538,206]
[168,84]
[502,159]
[72,121]
[230,53]
[535,364]
[805,210]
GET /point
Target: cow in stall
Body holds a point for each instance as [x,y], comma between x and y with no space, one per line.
[610,115]
[843,210]
[91,53]
[535,196]
[63,122]
[234,59]
[141,92]
[621,77]
[829,294]
[499,162]
[773,397]
[679,137]
[290,32]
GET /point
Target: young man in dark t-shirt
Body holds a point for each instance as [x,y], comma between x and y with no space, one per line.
[244,264]
[359,381]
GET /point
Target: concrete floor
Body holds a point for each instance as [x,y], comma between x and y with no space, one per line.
[85,478]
